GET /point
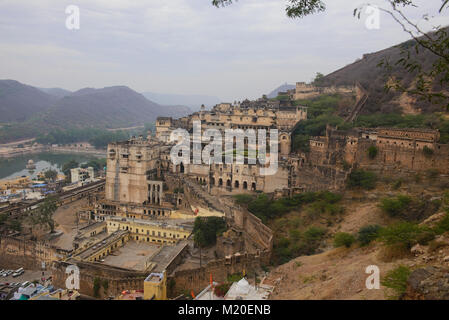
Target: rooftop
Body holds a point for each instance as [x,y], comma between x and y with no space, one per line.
[178,224]
[155,277]
[91,250]
[242,290]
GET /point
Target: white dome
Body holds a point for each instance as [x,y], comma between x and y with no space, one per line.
[242,287]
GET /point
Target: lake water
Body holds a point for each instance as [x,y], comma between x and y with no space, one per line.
[16,167]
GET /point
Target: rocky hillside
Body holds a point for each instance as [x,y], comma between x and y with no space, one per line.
[340,272]
[374,77]
[19,102]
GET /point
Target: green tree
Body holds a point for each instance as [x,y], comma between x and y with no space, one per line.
[105,284]
[319,79]
[395,206]
[427,151]
[243,199]
[301,142]
[96,287]
[66,168]
[314,234]
[343,239]
[362,179]
[403,234]
[43,215]
[368,233]
[206,229]
[372,152]
[97,164]
[50,175]
[15,225]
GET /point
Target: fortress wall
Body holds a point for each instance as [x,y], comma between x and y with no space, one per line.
[117,279]
[319,177]
[197,279]
[16,253]
[407,158]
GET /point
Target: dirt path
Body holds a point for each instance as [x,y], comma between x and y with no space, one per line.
[65,218]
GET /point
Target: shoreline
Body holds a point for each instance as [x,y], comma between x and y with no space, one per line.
[6,154]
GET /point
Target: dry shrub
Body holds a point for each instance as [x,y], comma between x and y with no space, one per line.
[436,245]
[338,253]
[392,253]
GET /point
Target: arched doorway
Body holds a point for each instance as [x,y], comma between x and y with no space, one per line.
[253,186]
[236,184]
[245,185]
[220,182]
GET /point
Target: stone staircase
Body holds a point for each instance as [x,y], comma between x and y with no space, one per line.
[359,104]
[200,193]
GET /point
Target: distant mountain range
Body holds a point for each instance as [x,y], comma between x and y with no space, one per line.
[110,107]
[281,88]
[27,111]
[194,101]
[56,92]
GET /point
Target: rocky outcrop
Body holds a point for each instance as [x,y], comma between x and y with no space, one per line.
[430,283]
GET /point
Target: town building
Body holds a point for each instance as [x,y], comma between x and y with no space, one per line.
[82,175]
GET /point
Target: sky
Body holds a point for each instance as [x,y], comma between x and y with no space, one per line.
[188,46]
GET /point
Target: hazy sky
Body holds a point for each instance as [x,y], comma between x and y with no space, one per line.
[185,46]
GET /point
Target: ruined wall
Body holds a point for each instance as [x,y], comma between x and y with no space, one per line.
[117,279]
[16,253]
[332,157]
[308,91]
[403,157]
[197,279]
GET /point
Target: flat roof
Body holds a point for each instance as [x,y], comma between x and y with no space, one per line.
[91,250]
[182,224]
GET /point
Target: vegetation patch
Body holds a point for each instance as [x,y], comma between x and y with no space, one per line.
[343,239]
[403,234]
[361,179]
[372,152]
[206,229]
[367,234]
[408,208]
[294,220]
[396,281]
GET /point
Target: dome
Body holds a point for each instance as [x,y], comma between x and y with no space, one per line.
[242,287]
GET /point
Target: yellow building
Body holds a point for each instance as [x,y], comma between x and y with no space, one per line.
[15,183]
[149,231]
[102,249]
[155,286]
